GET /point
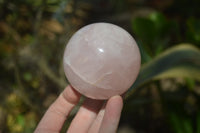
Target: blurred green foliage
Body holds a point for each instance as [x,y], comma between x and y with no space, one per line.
[33,35]
[193,32]
[154,32]
[178,62]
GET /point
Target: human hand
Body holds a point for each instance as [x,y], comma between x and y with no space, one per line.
[93,116]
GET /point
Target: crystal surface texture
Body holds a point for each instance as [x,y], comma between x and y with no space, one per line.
[101,60]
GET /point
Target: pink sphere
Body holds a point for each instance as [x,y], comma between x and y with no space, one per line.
[101,60]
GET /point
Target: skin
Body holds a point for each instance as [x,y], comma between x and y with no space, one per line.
[94,116]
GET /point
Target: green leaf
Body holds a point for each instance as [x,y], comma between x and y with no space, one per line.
[190,83]
[154,31]
[175,122]
[145,29]
[193,30]
[145,57]
[177,62]
[159,20]
[187,125]
[180,124]
[20,120]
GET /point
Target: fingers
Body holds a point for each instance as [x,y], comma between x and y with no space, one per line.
[57,113]
[85,116]
[97,122]
[112,115]
[106,121]
[86,119]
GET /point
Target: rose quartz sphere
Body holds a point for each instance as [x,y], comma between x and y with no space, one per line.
[101,60]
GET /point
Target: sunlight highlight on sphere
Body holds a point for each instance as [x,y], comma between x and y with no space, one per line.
[101,60]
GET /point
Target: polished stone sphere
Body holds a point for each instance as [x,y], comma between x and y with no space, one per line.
[101,60]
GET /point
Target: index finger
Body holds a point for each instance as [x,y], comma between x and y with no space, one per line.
[57,113]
